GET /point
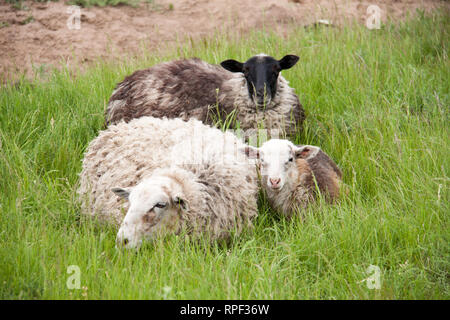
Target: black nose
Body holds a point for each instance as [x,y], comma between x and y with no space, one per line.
[260,92]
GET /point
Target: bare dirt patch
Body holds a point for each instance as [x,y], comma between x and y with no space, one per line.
[39,38]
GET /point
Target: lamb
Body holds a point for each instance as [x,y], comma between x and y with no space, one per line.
[175,175]
[289,174]
[251,93]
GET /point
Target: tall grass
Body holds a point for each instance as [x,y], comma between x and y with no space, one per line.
[377,101]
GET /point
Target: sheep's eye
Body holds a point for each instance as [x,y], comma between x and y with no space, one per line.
[290,160]
[161,205]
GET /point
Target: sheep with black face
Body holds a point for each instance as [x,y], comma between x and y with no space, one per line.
[254,91]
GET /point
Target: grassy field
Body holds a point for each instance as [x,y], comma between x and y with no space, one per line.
[377,102]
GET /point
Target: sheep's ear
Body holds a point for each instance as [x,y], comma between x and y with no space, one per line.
[250,152]
[232,65]
[306,152]
[288,61]
[124,193]
[183,203]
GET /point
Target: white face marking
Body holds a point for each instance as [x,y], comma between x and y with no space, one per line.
[277,159]
[151,209]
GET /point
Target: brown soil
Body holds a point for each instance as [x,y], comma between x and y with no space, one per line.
[27,44]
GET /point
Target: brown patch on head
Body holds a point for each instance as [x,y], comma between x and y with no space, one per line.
[150,219]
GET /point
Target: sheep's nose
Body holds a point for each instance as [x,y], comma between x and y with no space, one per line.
[261,94]
[275,182]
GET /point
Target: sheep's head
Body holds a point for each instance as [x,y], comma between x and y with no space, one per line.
[277,160]
[155,205]
[261,73]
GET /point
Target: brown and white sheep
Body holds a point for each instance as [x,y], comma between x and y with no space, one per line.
[252,93]
[291,175]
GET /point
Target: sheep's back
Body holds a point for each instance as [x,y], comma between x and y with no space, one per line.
[182,88]
[327,175]
[230,196]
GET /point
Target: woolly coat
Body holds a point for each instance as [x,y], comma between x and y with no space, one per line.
[221,193]
[192,88]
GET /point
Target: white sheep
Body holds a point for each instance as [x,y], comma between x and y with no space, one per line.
[291,175]
[176,175]
[253,93]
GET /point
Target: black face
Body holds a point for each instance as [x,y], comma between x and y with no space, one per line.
[261,72]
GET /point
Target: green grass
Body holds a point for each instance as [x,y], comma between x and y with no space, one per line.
[377,101]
